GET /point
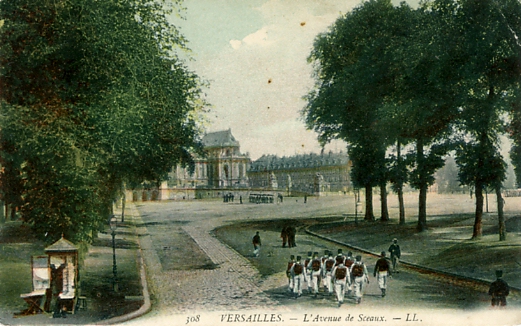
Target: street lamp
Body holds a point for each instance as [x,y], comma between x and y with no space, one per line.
[113,222]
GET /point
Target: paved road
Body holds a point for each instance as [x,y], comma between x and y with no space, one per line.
[205,296]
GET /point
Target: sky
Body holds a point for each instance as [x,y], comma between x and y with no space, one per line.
[254,55]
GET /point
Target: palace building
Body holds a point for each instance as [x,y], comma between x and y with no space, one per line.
[302,174]
[223,167]
[224,170]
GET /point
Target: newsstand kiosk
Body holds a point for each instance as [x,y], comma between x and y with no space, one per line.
[63,264]
[55,277]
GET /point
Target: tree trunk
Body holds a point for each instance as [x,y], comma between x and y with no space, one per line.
[369,215]
[478,232]
[500,215]
[402,206]
[422,200]
[383,200]
[400,185]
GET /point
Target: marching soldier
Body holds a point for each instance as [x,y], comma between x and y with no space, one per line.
[340,258]
[323,259]
[307,274]
[383,270]
[328,272]
[291,262]
[340,278]
[297,273]
[359,276]
[315,266]
[348,263]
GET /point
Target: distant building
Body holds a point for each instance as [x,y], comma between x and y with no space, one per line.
[306,173]
[224,166]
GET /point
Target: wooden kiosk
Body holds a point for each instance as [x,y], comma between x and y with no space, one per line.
[63,265]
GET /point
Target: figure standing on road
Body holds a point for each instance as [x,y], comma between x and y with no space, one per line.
[499,290]
[316,268]
[297,274]
[359,274]
[284,236]
[383,270]
[291,262]
[394,249]
[340,277]
[256,244]
[292,231]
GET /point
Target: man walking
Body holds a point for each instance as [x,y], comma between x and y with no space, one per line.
[307,274]
[394,249]
[499,290]
[284,236]
[316,268]
[340,277]
[256,244]
[348,263]
[297,274]
[291,262]
[328,273]
[383,270]
[359,274]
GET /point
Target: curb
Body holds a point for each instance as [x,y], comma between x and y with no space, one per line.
[409,264]
[146,294]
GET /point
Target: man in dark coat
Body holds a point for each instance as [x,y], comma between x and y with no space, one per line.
[499,290]
[394,249]
[292,231]
[256,244]
[284,236]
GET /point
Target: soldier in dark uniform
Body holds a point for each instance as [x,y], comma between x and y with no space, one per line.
[499,290]
[383,270]
[394,249]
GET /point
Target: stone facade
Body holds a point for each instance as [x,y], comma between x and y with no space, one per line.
[223,167]
[302,174]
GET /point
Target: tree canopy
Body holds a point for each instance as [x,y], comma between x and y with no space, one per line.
[92,94]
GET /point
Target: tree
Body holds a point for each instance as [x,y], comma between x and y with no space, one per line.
[92,95]
[487,83]
[355,70]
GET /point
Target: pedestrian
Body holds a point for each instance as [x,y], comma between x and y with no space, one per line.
[340,276]
[305,199]
[394,249]
[316,269]
[499,290]
[292,231]
[297,274]
[340,258]
[348,263]
[291,262]
[284,236]
[328,272]
[359,276]
[383,270]
[322,267]
[256,244]
[307,274]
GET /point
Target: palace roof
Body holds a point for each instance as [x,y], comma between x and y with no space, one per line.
[222,138]
[273,162]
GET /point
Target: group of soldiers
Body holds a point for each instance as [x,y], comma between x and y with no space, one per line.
[340,274]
